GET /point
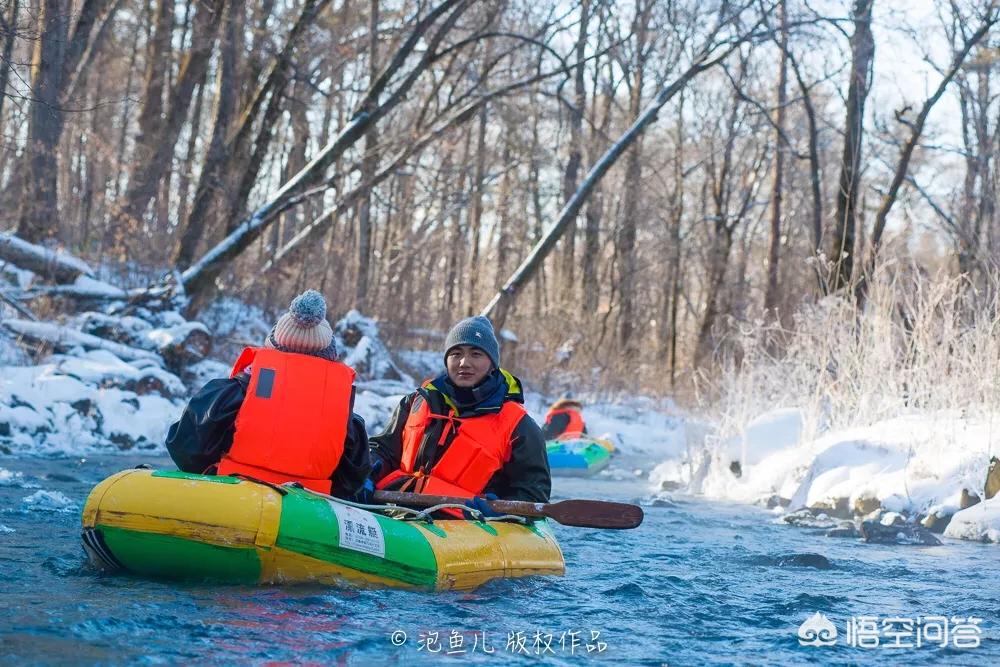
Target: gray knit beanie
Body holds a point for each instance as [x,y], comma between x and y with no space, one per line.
[304,328]
[475,331]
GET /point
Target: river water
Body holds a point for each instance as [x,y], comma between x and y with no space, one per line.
[697,583]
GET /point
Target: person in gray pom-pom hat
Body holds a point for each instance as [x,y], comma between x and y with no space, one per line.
[296,381]
[466,432]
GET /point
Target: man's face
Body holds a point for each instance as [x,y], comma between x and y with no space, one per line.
[467,365]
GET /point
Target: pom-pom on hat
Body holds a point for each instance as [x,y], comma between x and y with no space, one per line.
[304,328]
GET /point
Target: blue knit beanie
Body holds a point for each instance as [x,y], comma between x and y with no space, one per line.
[475,331]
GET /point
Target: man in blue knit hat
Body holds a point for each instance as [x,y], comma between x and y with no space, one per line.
[465,433]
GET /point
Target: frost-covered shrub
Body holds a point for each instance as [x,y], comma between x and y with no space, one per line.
[919,344]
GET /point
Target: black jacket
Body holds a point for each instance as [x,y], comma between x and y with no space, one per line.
[556,426]
[205,432]
[524,477]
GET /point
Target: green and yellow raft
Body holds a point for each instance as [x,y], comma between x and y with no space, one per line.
[181,526]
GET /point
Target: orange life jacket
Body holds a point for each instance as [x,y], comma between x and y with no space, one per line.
[293,422]
[574,429]
[480,447]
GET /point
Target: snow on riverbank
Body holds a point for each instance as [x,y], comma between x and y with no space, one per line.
[980,522]
[920,465]
[65,405]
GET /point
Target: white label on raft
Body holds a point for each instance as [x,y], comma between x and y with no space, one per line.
[359,530]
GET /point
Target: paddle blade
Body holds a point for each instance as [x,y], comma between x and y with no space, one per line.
[595,514]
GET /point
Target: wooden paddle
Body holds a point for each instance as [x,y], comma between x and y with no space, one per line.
[582,513]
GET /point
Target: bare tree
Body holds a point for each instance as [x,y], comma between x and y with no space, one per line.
[916,127]
[862,56]
[777,193]
[161,126]
[711,53]
[199,277]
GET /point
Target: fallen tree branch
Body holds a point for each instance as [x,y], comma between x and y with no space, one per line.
[60,266]
[65,338]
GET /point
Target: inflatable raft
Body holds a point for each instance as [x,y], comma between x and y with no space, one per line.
[578,457]
[181,526]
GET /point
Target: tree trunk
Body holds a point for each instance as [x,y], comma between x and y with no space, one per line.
[368,165]
[573,162]
[39,214]
[158,137]
[773,255]
[814,172]
[862,55]
[595,206]
[476,222]
[10,34]
[633,186]
[159,53]
[671,292]
[212,183]
[505,204]
[184,188]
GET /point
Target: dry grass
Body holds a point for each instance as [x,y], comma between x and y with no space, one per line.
[920,344]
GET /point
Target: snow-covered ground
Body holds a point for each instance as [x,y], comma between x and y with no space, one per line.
[919,465]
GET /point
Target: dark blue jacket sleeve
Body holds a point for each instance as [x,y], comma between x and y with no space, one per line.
[205,430]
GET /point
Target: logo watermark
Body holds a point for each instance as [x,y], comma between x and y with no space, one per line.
[536,642]
[817,630]
[893,632]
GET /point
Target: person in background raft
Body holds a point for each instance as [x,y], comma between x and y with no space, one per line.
[564,419]
[285,414]
[465,433]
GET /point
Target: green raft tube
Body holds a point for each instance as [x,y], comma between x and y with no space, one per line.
[181,526]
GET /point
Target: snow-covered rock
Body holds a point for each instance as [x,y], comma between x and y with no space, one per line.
[74,404]
[980,522]
[912,464]
[234,325]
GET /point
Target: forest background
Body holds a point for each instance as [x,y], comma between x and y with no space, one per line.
[666,197]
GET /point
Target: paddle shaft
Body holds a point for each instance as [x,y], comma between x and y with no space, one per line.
[580,513]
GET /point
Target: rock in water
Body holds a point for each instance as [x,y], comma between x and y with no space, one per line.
[968,499]
[844,529]
[839,508]
[807,518]
[936,523]
[993,478]
[805,560]
[897,532]
[866,505]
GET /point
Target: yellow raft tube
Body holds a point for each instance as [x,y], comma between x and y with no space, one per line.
[182,526]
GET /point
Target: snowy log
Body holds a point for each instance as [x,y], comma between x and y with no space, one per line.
[64,338]
[181,345]
[60,266]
